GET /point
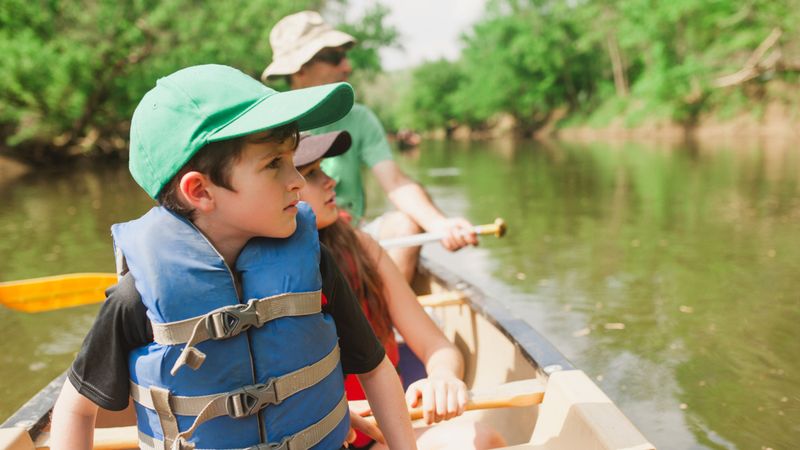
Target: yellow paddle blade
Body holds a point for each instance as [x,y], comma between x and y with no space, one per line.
[56,292]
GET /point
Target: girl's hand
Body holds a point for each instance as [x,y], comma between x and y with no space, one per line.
[441,397]
[359,409]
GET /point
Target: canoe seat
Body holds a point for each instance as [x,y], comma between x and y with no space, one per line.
[576,414]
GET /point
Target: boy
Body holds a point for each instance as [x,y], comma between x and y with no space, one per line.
[215,328]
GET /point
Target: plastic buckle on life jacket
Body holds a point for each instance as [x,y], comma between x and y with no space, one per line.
[251,399]
[285,444]
[228,321]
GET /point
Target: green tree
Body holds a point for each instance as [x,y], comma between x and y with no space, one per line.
[74,71]
[429,102]
[372,33]
[635,59]
[522,60]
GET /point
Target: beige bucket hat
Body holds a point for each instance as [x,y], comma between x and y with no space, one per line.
[296,38]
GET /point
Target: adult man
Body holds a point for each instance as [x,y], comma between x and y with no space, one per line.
[309,52]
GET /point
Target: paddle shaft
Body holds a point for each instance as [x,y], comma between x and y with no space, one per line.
[513,394]
[65,291]
[498,228]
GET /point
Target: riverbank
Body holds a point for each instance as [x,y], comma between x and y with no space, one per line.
[776,121]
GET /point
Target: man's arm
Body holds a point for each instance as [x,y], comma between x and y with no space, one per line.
[386,399]
[410,198]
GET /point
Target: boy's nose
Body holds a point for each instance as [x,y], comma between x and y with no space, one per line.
[296,181]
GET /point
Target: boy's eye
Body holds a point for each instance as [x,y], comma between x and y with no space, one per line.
[275,163]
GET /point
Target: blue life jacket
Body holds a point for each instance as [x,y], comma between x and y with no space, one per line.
[180,275]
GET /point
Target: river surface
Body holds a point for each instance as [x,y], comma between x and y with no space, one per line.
[670,274]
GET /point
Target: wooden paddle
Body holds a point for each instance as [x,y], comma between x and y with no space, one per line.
[78,289]
[512,394]
[498,228]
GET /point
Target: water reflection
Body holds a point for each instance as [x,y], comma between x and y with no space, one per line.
[669,274]
[55,223]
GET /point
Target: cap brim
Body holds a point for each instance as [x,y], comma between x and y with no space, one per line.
[314,147]
[310,108]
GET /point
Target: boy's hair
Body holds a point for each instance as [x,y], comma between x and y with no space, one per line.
[215,160]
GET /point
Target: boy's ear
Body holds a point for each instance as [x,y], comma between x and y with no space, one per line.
[194,188]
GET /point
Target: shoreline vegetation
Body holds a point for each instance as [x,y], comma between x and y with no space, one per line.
[598,69]
[594,69]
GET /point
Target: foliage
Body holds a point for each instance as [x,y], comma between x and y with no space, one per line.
[74,71]
[431,104]
[371,33]
[636,59]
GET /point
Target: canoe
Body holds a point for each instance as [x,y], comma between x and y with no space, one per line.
[498,348]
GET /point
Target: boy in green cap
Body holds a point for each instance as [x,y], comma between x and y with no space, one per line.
[220,328]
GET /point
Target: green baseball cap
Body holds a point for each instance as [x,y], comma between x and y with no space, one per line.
[201,104]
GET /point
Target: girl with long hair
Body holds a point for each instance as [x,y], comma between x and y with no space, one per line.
[389,303]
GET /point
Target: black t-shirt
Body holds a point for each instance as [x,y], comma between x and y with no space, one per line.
[100,371]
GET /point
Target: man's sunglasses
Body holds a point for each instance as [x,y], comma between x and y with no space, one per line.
[332,57]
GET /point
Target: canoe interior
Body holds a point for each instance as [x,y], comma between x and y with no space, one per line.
[497,348]
[500,348]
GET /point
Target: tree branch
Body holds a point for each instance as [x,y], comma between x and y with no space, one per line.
[754,66]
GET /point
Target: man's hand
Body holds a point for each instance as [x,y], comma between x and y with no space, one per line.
[442,398]
[459,232]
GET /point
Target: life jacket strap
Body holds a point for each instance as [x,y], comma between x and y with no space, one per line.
[169,423]
[313,434]
[301,440]
[229,321]
[238,403]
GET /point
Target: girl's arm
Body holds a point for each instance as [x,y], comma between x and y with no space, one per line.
[443,394]
[73,420]
[385,396]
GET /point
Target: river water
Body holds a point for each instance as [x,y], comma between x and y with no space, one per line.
[670,274]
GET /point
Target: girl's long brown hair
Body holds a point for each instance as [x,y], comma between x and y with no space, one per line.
[361,272]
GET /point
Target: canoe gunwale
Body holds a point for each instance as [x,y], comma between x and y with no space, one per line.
[34,415]
[535,348]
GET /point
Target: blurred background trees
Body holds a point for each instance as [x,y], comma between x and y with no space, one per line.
[596,61]
[73,72]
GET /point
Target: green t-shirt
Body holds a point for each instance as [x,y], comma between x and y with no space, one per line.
[369,148]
